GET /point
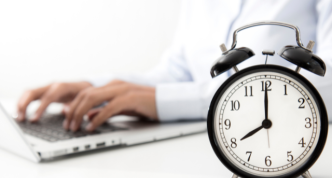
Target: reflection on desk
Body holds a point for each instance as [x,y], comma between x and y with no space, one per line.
[189,156]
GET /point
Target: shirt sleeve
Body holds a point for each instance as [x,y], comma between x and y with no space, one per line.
[323,49]
[177,95]
[186,100]
[172,68]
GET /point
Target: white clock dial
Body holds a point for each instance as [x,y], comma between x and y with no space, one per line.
[272,151]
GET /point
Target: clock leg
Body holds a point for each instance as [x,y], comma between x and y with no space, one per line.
[306,175]
[235,176]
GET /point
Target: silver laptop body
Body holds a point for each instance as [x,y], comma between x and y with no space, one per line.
[17,139]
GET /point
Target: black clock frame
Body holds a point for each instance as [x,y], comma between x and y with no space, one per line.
[269,68]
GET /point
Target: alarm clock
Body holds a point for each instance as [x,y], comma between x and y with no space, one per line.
[268,120]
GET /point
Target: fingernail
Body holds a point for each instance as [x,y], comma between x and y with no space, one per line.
[34,118]
[73,125]
[19,117]
[89,127]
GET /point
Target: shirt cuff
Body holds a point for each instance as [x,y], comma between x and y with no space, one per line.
[186,100]
[178,101]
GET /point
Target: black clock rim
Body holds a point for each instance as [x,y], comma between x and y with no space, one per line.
[272,68]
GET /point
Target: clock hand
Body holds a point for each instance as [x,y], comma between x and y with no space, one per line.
[252,133]
[266,122]
[266,103]
[268,137]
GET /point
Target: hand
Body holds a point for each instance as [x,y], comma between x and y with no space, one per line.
[122,98]
[56,92]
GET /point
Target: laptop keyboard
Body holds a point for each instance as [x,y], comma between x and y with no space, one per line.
[49,128]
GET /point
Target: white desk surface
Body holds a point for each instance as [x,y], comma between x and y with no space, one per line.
[188,156]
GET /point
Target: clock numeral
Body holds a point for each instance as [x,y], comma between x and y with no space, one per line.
[302,143]
[233,145]
[289,155]
[235,105]
[308,124]
[246,91]
[227,124]
[285,89]
[249,152]
[268,83]
[268,162]
[301,100]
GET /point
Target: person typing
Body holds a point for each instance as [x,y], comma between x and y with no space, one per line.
[180,87]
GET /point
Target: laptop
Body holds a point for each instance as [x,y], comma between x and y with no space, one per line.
[47,140]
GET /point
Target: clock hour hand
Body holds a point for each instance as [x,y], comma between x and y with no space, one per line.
[252,133]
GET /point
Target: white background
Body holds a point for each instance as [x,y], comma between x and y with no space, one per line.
[46,41]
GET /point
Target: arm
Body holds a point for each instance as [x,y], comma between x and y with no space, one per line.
[178,96]
[323,50]
[187,100]
[130,93]
[172,68]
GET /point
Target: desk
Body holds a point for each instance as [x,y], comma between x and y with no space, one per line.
[188,156]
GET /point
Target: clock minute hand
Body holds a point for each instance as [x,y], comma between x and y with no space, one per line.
[252,132]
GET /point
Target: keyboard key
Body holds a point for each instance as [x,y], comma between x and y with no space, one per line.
[50,128]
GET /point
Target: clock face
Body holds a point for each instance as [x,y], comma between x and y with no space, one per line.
[267,123]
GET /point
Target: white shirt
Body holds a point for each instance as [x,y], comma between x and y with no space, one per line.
[184,87]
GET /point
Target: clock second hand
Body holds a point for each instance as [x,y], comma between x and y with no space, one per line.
[268,137]
[266,104]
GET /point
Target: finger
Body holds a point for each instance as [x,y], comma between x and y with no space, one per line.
[72,106]
[117,105]
[65,108]
[92,98]
[26,99]
[86,100]
[44,103]
[84,106]
[65,111]
[54,93]
[93,112]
